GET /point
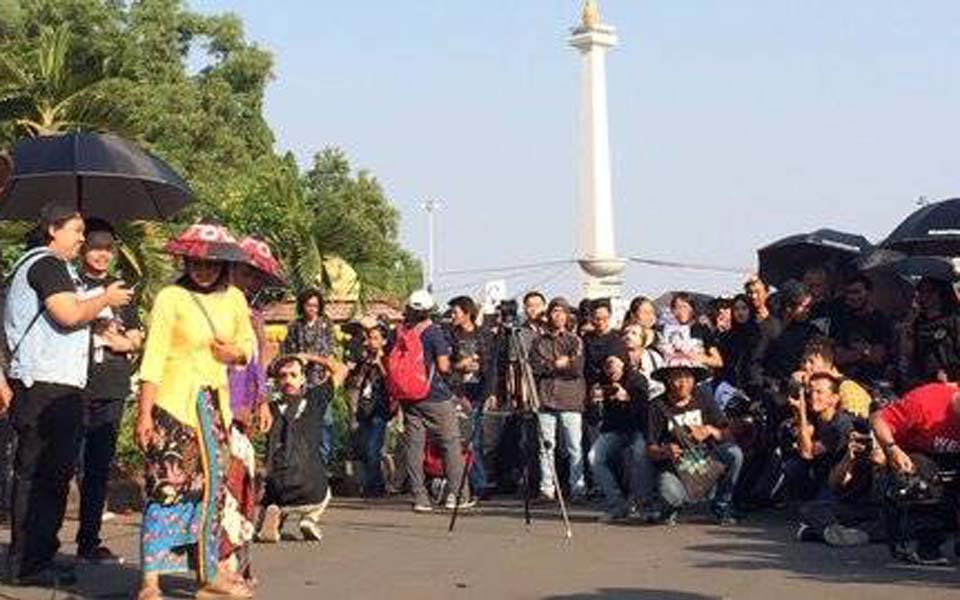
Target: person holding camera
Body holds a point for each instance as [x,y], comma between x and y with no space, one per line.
[46,320]
[848,511]
[920,436]
[625,396]
[821,429]
[116,337]
[557,362]
[296,491]
[474,377]
[370,403]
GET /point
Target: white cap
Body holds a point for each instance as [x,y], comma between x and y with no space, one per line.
[420,300]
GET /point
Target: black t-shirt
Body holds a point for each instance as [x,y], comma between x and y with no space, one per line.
[49,276]
[296,475]
[833,435]
[630,415]
[475,385]
[699,411]
[109,372]
[596,349]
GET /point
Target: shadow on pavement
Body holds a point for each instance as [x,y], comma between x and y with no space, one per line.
[633,594]
[764,544]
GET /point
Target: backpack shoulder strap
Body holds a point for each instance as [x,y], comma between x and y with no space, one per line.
[40,252]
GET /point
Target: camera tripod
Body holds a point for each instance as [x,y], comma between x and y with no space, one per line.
[522,391]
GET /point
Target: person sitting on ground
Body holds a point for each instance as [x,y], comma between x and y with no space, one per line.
[849,512]
[924,427]
[819,358]
[296,491]
[863,334]
[625,399]
[822,430]
[704,423]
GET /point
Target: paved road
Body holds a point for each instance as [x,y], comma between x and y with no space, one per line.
[384,551]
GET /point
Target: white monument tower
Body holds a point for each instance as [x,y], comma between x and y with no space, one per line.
[597,251]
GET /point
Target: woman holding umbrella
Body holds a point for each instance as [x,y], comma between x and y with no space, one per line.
[198,327]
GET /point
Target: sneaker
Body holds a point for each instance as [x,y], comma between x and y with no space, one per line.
[723,513]
[311,530]
[931,557]
[101,555]
[805,533]
[422,507]
[841,537]
[451,503]
[270,527]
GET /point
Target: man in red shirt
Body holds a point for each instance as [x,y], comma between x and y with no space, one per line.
[926,422]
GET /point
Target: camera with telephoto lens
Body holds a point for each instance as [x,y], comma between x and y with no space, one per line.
[913,489]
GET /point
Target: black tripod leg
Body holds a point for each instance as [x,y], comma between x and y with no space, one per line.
[460,486]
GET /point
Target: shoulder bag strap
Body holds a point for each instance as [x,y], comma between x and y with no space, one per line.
[206,315]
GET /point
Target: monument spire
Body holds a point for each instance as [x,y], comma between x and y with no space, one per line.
[597,252]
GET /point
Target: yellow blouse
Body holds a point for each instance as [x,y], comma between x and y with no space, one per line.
[854,398]
[177,357]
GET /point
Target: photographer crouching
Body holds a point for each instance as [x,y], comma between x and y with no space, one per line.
[920,436]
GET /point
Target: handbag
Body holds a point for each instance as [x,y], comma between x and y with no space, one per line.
[698,468]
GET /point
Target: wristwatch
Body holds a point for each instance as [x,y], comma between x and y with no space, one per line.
[890,446]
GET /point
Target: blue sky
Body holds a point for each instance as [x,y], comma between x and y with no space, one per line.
[733,123]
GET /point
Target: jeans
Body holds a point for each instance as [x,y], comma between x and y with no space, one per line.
[326,440]
[673,493]
[478,475]
[440,420]
[98,447]
[48,419]
[607,449]
[372,434]
[570,425]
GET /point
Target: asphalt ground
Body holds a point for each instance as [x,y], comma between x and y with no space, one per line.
[382,550]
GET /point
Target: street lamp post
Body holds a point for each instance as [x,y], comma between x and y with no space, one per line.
[430,206]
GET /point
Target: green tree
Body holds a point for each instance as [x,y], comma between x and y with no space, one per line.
[353,218]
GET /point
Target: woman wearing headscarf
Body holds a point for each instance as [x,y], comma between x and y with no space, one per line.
[248,396]
[198,327]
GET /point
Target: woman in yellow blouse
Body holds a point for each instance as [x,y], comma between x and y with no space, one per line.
[197,327]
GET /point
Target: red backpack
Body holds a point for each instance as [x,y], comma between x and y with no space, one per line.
[408,374]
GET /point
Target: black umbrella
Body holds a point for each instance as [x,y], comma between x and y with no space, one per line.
[102,175]
[932,230]
[790,257]
[913,268]
[893,290]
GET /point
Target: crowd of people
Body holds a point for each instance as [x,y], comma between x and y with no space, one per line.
[809,398]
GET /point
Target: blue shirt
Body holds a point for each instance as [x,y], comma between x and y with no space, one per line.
[436,344]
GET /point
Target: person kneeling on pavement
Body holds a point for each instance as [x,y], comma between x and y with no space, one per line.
[296,489]
[920,435]
[624,415]
[689,441]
